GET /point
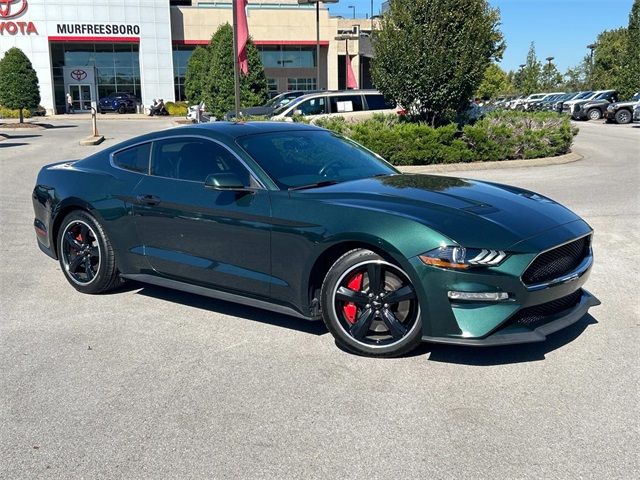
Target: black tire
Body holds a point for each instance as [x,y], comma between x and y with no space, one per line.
[122,109]
[623,116]
[85,254]
[594,114]
[376,328]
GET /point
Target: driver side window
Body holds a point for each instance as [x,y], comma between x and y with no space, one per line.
[313,106]
[194,159]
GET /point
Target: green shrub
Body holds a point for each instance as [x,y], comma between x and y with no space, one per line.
[176,109]
[14,113]
[499,136]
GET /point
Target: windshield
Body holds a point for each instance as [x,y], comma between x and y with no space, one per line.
[296,158]
[282,108]
[635,98]
[584,95]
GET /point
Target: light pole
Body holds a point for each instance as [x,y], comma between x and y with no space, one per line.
[592,47]
[317,2]
[550,59]
[354,10]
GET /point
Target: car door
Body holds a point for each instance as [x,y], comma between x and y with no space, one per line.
[194,233]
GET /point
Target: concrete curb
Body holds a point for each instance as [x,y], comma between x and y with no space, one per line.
[462,167]
[91,140]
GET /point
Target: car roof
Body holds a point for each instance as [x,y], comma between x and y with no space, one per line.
[234,130]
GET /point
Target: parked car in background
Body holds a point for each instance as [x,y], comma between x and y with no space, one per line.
[544,102]
[523,102]
[636,112]
[346,103]
[268,108]
[622,112]
[557,104]
[121,102]
[584,96]
[594,109]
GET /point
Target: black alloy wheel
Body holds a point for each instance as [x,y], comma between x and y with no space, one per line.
[370,305]
[623,116]
[86,255]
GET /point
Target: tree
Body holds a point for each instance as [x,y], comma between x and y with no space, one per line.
[608,60]
[19,87]
[531,72]
[550,79]
[431,55]
[630,82]
[494,82]
[575,78]
[218,91]
[194,78]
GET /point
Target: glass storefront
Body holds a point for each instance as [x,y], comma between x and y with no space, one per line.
[285,56]
[117,67]
[181,56]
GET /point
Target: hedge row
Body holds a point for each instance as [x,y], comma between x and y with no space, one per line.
[499,136]
[11,113]
[176,109]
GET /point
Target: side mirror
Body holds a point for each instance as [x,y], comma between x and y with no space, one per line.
[224,181]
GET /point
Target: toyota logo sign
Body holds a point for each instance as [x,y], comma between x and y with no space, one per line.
[78,74]
[12,8]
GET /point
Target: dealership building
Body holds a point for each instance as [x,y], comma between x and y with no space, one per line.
[90,48]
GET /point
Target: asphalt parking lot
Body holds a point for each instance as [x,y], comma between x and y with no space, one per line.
[151,383]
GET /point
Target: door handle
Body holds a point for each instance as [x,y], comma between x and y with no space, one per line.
[148,199]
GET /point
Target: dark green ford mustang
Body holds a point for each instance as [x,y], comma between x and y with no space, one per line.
[299,220]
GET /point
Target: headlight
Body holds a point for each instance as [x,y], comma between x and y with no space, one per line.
[462,258]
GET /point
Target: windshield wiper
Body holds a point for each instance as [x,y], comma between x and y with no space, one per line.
[324,183]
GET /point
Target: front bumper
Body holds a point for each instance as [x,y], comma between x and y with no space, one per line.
[515,334]
[557,303]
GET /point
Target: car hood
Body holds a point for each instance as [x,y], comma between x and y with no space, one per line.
[624,104]
[470,212]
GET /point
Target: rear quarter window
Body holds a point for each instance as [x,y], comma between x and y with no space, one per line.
[134,159]
[378,102]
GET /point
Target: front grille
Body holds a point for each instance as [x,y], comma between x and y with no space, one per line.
[557,262]
[533,317]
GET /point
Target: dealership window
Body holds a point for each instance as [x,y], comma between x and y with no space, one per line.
[272,87]
[181,56]
[117,67]
[286,56]
[301,84]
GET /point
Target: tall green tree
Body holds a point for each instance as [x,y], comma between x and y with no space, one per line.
[19,87]
[218,89]
[630,82]
[550,78]
[494,82]
[531,72]
[194,78]
[575,78]
[609,60]
[431,55]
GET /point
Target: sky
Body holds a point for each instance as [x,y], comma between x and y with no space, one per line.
[560,28]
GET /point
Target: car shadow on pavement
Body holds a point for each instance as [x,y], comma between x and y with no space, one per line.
[13,137]
[227,308]
[488,356]
[6,144]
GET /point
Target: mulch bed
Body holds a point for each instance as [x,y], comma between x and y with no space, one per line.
[16,125]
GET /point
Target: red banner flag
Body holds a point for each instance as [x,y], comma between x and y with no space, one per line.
[242,35]
[351,78]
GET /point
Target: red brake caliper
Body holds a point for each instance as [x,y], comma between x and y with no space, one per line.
[350,310]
